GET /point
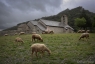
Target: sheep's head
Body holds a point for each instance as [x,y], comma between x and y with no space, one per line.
[49,52]
[22,42]
[41,39]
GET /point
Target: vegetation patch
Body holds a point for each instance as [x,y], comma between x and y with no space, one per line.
[65,48]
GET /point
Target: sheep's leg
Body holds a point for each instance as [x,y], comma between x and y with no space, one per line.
[22,42]
[79,38]
[32,39]
[18,43]
[86,38]
[36,54]
[32,53]
[42,53]
[37,40]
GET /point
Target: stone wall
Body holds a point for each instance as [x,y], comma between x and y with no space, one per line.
[12,32]
[57,29]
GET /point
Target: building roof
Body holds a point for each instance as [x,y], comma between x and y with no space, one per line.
[34,22]
[50,23]
[37,24]
[41,27]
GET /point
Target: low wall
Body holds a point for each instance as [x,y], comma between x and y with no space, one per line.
[12,32]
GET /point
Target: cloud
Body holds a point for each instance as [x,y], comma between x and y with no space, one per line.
[13,12]
[87,4]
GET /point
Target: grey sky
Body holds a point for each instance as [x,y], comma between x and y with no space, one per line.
[13,12]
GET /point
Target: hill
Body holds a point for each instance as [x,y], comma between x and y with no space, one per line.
[72,14]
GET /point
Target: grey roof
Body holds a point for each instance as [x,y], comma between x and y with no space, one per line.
[50,23]
[37,24]
[41,27]
[34,22]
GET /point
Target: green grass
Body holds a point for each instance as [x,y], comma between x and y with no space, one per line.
[66,49]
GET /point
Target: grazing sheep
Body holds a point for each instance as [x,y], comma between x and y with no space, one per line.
[84,35]
[5,34]
[51,32]
[82,31]
[48,32]
[37,47]
[33,32]
[21,33]
[15,34]
[87,31]
[18,39]
[36,36]
[79,31]
[44,32]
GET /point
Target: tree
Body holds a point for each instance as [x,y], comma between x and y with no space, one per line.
[93,24]
[88,20]
[80,22]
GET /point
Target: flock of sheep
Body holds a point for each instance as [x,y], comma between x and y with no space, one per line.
[38,47]
[83,31]
[21,33]
[85,34]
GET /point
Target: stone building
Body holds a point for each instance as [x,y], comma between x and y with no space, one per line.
[23,27]
[42,25]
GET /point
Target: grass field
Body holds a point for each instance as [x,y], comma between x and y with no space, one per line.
[66,49]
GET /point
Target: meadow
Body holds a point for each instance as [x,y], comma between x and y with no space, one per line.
[65,48]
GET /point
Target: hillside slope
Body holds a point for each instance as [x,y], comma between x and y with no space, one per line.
[72,14]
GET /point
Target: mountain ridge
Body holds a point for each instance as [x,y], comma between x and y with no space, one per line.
[71,14]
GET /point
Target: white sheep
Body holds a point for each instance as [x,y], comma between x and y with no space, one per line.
[15,34]
[37,47]
[21,33]
[87,31]
[18,39]
[5,34]
[48,32]
[84,35]
[36,36]
[33,32]
[82,31]
[79,31]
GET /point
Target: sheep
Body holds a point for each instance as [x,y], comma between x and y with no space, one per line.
[51,32]
[87,31]
[18,39]
[36,36]
[21,33]
[33,32]
[79,31]
[82,31]
[48,32]
[15,34]
[44,32]
[37,47]
[5,34]
[84,35]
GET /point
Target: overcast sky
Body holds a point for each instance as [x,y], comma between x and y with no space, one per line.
[13,12]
